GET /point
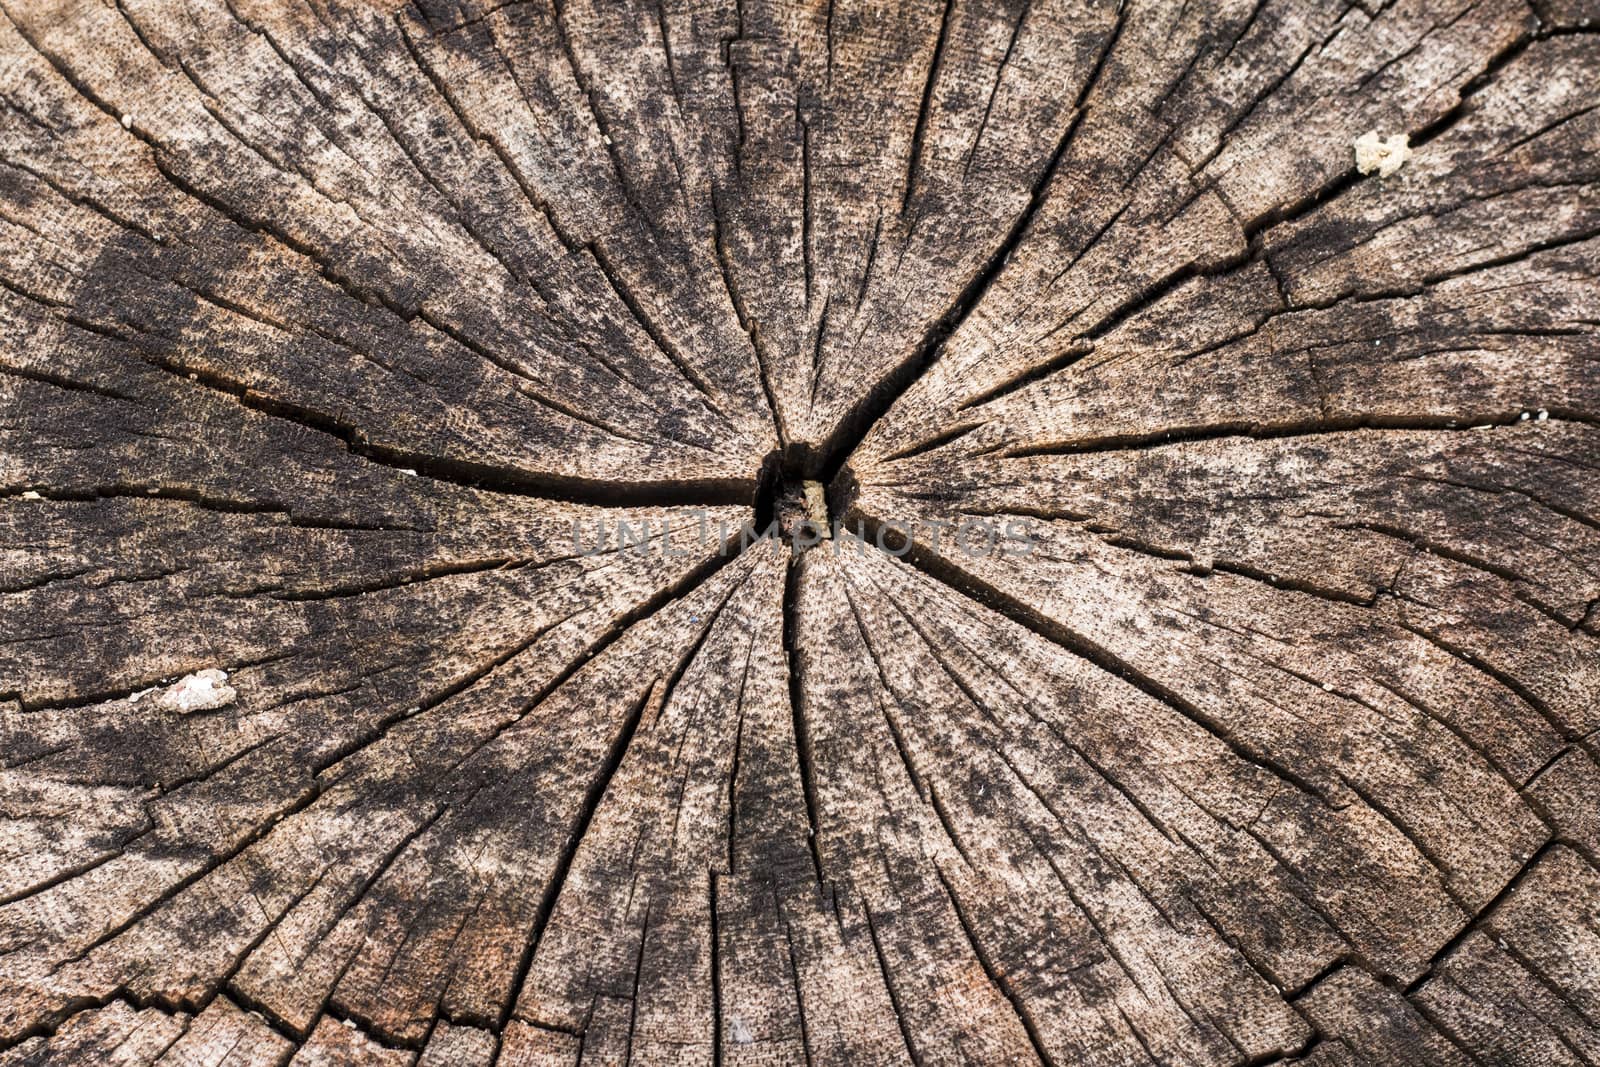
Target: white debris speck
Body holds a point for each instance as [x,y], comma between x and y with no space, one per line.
[738,1031]
[409,471]
[127,122]
[31,495]
[606,138]
[1543,415]
[204,690]
[817,507]
[1385,156]
[348,1024]
[1327,687]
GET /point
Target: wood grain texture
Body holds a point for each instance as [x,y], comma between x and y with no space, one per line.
[1213,675]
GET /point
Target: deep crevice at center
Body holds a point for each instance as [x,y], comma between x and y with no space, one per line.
[787,497]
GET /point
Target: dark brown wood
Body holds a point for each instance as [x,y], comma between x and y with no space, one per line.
[1212,675]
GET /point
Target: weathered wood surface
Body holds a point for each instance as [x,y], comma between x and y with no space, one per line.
[322,324]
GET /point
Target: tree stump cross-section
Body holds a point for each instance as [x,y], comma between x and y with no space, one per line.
[1178,426]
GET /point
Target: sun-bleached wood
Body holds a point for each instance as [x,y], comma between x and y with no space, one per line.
[335,337]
